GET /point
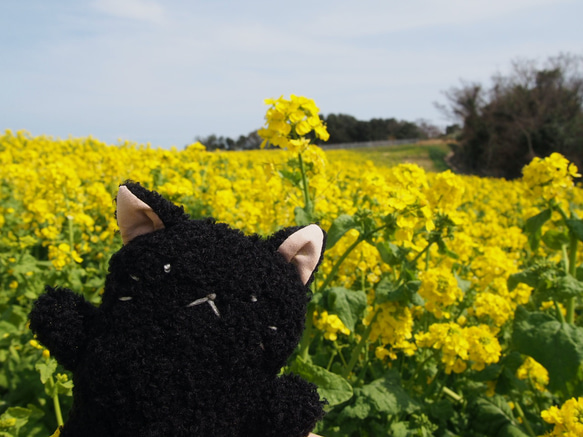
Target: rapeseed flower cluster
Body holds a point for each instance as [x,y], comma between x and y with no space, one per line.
[534,372]
[330,325]
[460,345]
[61,200]
[440,290]
[392,329]
[549,178]
[568,419]
[288,121]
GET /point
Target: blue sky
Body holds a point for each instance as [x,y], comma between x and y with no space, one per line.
[165,71]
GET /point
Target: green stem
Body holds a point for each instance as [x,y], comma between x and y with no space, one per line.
[356,351]
[307,200]
[573,242]
[452,394]
[559,312]
[332,356]
[360,379]
[341,356]
[565,255]
[336,266]
[58,413]
[524,420]
[418,369]
[56,403]
[71,233]
[339,262]
[427,257]
[420,254]
[307,335]
[571,264]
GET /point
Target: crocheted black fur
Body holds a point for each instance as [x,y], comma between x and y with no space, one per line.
[150,361]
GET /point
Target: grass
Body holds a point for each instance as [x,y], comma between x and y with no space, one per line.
[429,155]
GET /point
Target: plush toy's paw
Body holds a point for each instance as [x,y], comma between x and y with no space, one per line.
[58,319]
[292,409]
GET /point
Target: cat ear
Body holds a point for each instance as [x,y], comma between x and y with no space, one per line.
[303,249]
[135,217]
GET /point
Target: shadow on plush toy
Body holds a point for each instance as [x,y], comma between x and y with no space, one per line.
[195,324]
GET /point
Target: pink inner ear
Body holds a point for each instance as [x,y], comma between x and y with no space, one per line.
[134,217]
[303,249]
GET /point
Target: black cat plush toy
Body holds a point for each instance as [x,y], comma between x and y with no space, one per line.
[195,324]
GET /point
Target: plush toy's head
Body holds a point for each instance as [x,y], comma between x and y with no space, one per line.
[195,324]
[209,283]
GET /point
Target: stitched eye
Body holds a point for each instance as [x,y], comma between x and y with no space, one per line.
[253,298]
[167,268]
[134,277]
[125,298]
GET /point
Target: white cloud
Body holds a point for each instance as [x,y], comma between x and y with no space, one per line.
[139,10]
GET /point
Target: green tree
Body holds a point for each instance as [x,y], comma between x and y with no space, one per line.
[347,129]
[533,111]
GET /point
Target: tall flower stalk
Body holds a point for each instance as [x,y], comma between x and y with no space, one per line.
[292,124]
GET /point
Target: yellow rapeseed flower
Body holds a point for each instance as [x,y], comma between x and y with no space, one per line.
[534,372]
[393,328]
[288,121]
[568,419]
[549,178]
[440,290]
[330,324]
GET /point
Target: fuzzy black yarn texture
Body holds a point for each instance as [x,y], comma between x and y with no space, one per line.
[196,322]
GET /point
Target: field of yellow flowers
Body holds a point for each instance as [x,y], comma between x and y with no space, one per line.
[446,305]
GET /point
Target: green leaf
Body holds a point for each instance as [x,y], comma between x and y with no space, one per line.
[507,381]
[18,416]
[576,227]
[76,277]
[528,277]
[567,286]
[383,396]
[534,225]
[64,387]
[35,412]
[400,429]
[339,227]
[442,410]
[463,284]
[489,373]
[389,291]
[492,416]
[557,346]
[443,249]
[511,431]
[347,304]
[8,328]
[302,218]
[332,387]
[360,409]
[14,315]
[46,369]
[390,253]
[555,239]
[385,289]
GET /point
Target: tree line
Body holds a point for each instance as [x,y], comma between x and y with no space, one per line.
[342,128]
